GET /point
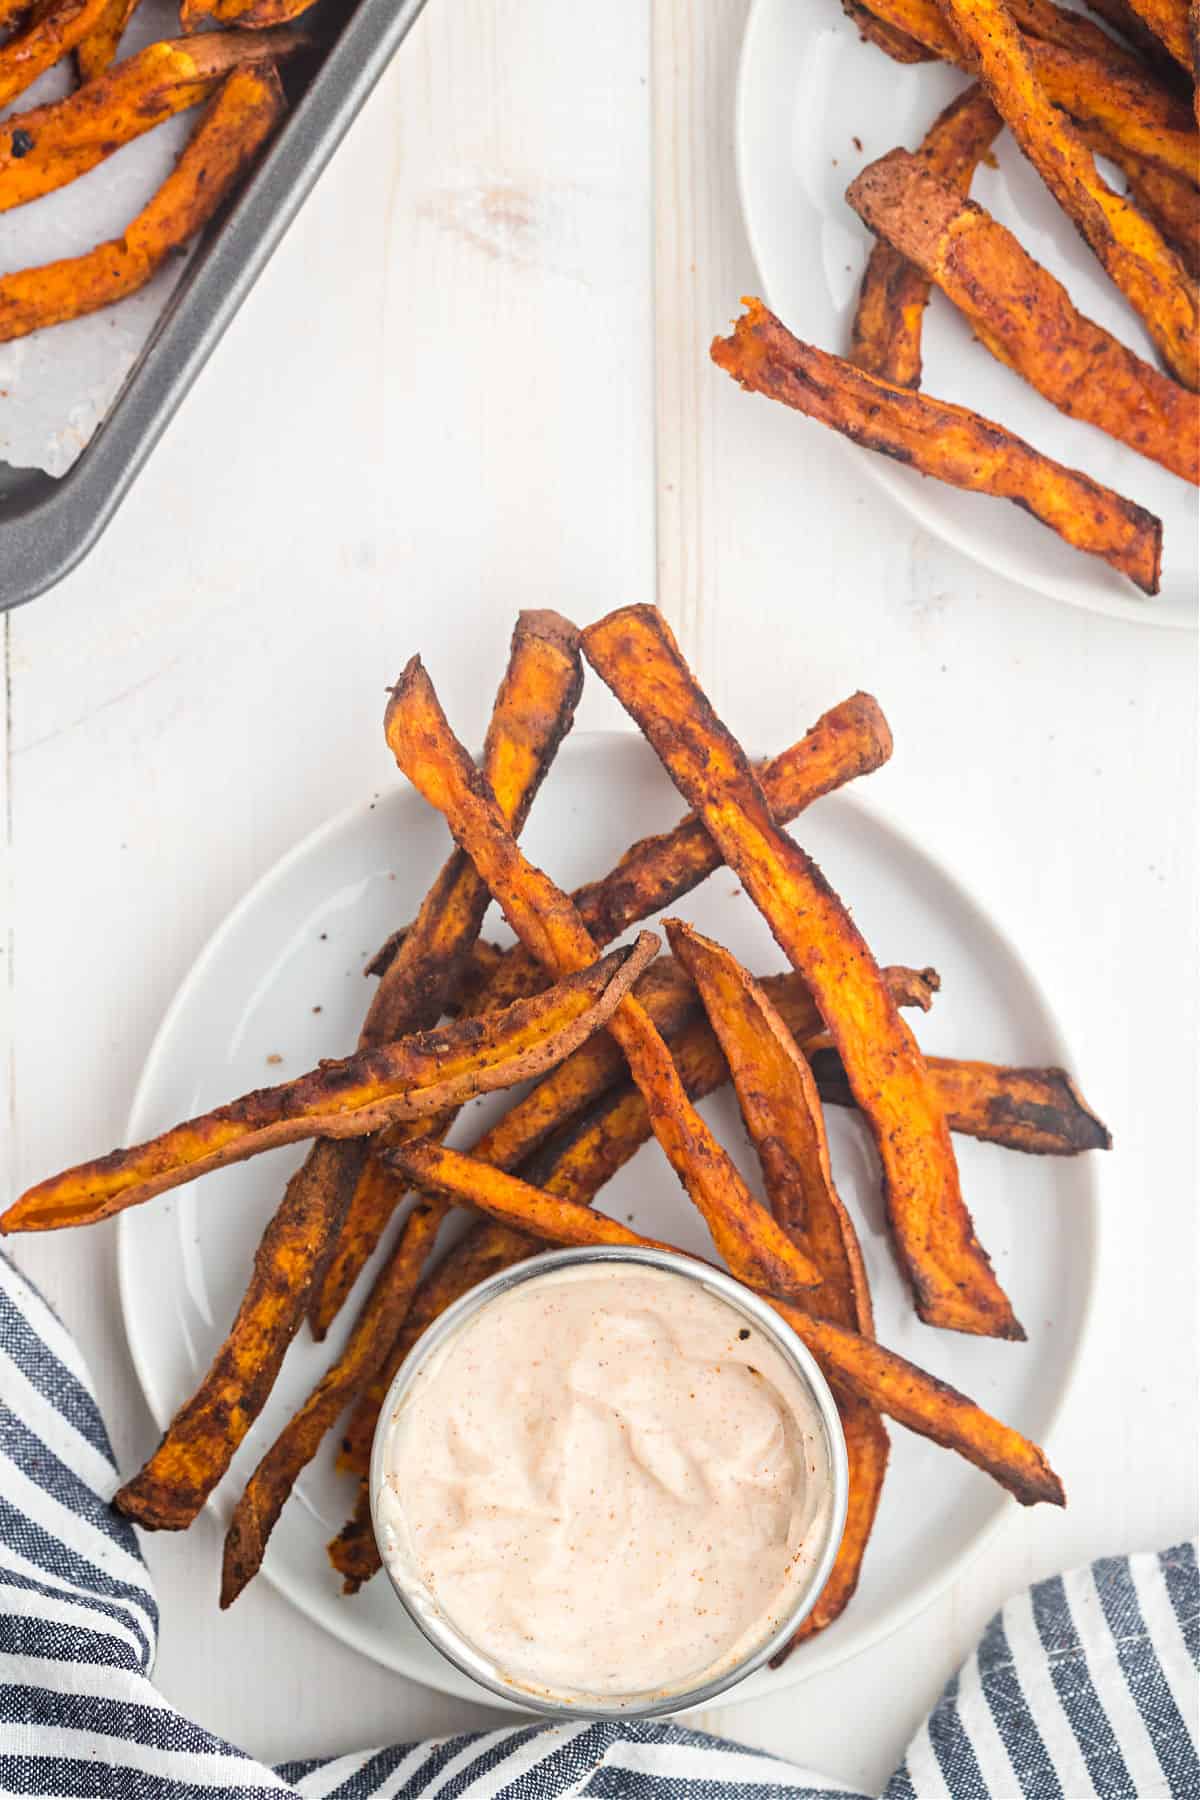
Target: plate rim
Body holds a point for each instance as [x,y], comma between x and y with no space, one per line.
[822,1656]
[908,496]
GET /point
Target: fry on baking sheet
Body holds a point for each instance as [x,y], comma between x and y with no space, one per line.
[940,439]
[98,50]
[245,111]
[48,146]
[549,925]
[532,713]
[410,1079]
[1024,316]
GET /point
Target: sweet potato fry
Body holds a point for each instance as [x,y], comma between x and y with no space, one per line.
[549,925]
[1024,316]
[634,653]
[254,15]
[410,1079]
[47,34]
[1171,202]
[533,711]
[375,1329]
[1129,246]
[782,1113]
[1088,76]
[885,337]
[897,1388]
[50,145]
[1168,20]
[896,44]
[781,1108]
[354,1552]
[237,124]
[937,438]
[98,50]
[1040,1111]
[1122,18]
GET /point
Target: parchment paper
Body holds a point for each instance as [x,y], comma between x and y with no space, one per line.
[56,385]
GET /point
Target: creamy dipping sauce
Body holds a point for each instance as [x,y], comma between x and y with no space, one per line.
[608,1481]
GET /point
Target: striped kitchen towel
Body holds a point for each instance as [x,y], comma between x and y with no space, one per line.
[1085,1685]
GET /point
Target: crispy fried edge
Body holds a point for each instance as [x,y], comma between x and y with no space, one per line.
[635,654]
[941,439]
[548,924]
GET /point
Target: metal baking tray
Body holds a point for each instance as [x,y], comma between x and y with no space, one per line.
[46,523]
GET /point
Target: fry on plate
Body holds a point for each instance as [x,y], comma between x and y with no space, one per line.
[940,439]
[885,336]
[410,1079]
[1024,316]
[548,924]
[782,1113]
[635,654]
[896,1387]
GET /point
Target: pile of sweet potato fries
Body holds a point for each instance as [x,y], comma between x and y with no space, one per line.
[625,1043]
[1068,92]
[233,73]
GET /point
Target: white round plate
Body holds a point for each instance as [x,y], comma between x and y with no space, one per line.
[815,105]
[282,979]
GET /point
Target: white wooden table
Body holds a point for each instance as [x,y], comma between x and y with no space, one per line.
[475,378]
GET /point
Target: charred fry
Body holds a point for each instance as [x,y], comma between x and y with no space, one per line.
[533,712]
[240,119]
[885,337]
[410,1079]
[550,926]
[937,438]
[1024,316]
[48,146]
[634,653]
[1040,1111]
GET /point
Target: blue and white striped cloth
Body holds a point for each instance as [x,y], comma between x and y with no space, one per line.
[1085,1685]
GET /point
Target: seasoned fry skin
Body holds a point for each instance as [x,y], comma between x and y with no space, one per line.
[1024,316]
[551,928]
[1129,246]
[1040,1111]
[896,1387]
[49,34]
[885,337]
[63,140]
[254,15]
[269,1487]
[532,713]
[1168,20]
[635,654]
[243,115]
[410,1079]
[937,438]
[896,44]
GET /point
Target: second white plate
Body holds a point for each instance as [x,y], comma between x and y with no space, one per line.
[280,985]
[815,105]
